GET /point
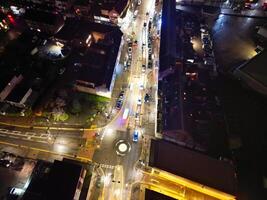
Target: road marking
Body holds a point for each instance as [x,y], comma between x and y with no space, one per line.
[107,166]
[81,158]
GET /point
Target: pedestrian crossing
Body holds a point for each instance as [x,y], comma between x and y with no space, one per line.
[105,166]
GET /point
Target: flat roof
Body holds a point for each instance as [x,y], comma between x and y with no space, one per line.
[152,195]
[257,68]
[44,17]
[254,73]
[100,57]
[63,180]
[192,165]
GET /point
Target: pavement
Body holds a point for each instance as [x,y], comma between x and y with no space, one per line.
[255,13]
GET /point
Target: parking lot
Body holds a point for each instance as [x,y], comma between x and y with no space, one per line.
[14,172]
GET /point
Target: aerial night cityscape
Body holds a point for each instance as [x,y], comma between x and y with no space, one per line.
[133,99]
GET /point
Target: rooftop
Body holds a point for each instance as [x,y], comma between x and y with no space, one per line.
[152,195]
[63,180]
[254,72]
[191,165]
[43,17]
[99,58]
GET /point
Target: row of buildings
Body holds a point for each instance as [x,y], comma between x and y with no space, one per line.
[105,10]
[211,177]
[90,51]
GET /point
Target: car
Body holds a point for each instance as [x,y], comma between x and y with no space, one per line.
[149,65]
[205,35]
[209,61]
[139,100]
[150,51]
[144,24]
[130,44]
[147,98]
[121,95]
[130,50]
[237,8]
[135,136]
[61,71]
[128,63]
[130,56]
[149,57]
[259,49]
[139,2]
[247,5]
[5,163]
[143,68]
[119,104]
[208,54]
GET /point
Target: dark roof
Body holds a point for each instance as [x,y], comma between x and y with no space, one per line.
[42,17]
[192,165]
[63,180]
[256,68]
[152,195]
[168,35]
[81,2]
[253,73]
[80,29]
[100,58]
[121,5]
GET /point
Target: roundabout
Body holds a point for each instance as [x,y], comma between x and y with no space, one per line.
[122,147]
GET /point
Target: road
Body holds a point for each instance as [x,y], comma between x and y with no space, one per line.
[114,164]
[141,115]
[57,142]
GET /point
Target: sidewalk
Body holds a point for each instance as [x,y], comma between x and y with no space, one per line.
[256,13]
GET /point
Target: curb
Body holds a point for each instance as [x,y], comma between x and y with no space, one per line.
[241,15]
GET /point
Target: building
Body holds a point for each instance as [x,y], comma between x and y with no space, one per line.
[58,180]
[253,73]
[111,10]
[197,172]
[65,181]
[43,21]
[63,6]
[97,54]
[83,8]
[152,195]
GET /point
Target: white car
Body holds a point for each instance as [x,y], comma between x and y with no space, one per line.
[139,101]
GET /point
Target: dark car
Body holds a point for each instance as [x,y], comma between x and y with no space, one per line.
[5,163]
[119,104]
[149,65]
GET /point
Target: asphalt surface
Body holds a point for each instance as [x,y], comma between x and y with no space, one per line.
[121,129]
[233,40]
